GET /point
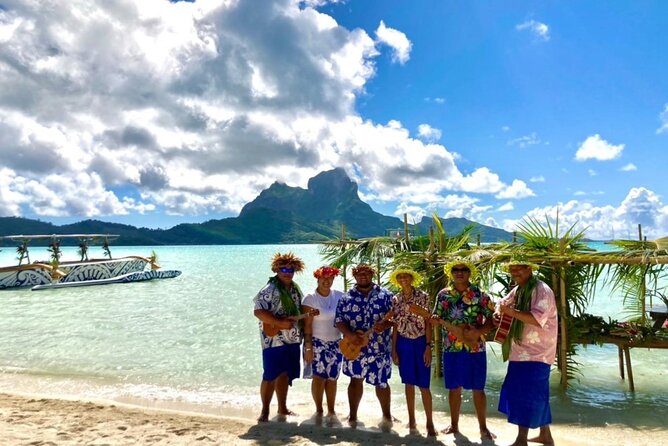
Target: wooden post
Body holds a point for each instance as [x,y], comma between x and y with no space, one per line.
[345,266]
[478,241]
[639,232]
[406,232]
[629,369]
[514,236]
[564,328]
[431,239]
[621,361]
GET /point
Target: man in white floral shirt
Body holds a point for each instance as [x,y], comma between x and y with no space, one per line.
[525,394]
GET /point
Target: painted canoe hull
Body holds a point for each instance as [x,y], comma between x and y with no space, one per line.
[40,274]
[138,276]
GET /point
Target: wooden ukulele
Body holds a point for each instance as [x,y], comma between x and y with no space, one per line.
[272,330]
[504,327]
[457,330]
[350,350]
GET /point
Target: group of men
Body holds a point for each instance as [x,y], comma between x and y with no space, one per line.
[363,316]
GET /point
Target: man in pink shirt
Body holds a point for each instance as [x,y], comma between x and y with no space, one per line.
[532,339]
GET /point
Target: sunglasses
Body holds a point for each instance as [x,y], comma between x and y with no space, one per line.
[460,270]
[287,270]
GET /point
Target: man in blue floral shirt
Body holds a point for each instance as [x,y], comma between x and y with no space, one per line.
[362,308]
[462,304]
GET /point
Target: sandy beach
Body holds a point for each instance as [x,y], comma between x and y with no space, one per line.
[31,420]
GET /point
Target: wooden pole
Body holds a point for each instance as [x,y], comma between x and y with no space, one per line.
[345,267]
[431,239]
[478,241]
[564,328]
[406,231]
[639,232]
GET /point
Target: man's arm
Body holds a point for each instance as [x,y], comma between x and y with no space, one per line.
[267,317]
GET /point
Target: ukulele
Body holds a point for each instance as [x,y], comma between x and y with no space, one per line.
[504,327]
[457,330]
[272,330]
[350,350]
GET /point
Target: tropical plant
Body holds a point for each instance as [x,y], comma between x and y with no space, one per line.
[106,249]
[22,252]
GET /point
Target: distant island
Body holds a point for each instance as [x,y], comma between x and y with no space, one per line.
[279,214]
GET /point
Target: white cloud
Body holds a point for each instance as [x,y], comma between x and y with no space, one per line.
[429,133]
[537,179]
[629,168]
[592,172]
[604,222]
[524,141]
[579,193]
[663,117]
[594,147]
[518,189]
[506,207]
[540,30]
[414,213]
[505,128]
[396,40]
[194,110]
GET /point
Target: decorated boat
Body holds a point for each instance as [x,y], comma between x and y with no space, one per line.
[57,273]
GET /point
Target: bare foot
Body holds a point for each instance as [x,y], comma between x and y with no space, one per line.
[263,418]
[413,430]
[431,432]
[546,440]
[287,413]
[451,430]
[486,434]
[352,421]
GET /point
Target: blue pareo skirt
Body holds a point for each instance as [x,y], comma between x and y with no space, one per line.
[525,394]
[411,361]
[279,360]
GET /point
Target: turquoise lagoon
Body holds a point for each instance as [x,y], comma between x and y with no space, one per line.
[192,342]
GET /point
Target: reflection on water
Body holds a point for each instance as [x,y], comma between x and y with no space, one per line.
[194,340]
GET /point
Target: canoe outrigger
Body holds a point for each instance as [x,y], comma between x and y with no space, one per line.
[58,274]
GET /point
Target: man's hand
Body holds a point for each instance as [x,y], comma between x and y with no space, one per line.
[381,326]
[284,324]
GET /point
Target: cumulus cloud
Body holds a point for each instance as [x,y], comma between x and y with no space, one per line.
[525,141]
[518,189]
[594,147]
[429,133]
[540,30]
[506,207]
[640,205]
[396,40]
[629,167]
[663,117]
[197,106]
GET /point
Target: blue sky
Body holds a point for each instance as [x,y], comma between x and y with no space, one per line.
[156,113]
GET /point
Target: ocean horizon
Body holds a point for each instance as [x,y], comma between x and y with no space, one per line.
[192,342]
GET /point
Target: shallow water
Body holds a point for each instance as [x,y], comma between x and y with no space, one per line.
[193,340]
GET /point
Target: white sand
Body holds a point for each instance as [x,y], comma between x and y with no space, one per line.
[28,420]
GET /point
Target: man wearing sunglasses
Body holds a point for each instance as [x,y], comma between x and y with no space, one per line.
[276,306]
[462,304]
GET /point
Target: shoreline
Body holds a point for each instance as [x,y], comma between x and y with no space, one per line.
[44,419]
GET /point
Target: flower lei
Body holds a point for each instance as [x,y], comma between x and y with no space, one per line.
[522,303]
[287,303]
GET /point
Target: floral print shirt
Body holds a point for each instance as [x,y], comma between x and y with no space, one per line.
[407,324]
[269,298]
[360,312]
[538,343]
[472,307]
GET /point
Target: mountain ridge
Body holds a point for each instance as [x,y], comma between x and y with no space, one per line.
[279,214]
